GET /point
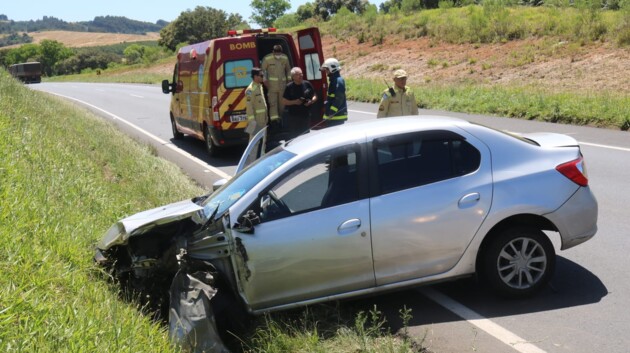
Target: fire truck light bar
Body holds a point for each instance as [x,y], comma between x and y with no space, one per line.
[234,32]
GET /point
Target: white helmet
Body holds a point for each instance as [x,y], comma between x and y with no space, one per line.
[331,64]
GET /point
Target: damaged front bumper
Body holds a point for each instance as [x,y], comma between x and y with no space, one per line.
[171,256]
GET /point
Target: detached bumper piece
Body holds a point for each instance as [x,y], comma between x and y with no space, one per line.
[191,319]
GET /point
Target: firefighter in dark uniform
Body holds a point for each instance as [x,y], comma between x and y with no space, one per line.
[398,100]
[336,106]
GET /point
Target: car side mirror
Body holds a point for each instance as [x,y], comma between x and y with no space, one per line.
[265,201]
[167,87]
[219,183]
[246,222]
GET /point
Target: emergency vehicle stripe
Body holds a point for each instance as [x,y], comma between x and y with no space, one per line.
[203,99]
[226,98]
[234,100]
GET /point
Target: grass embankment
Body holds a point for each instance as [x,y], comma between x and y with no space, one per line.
[65,177]
[611,110]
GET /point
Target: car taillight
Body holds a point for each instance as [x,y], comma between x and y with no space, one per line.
[574,170]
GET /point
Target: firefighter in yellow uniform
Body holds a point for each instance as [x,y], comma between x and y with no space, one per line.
[276,66]
[398,100]
[255,105]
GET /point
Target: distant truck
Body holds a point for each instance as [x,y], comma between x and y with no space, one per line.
[210,78]
[30,72]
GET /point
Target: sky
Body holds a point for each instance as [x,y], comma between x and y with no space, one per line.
[141,10]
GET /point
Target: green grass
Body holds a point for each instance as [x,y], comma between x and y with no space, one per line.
[493,22]
[65,177]
[136,73]
[610,110]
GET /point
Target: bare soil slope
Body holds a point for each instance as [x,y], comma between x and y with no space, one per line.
[545,63]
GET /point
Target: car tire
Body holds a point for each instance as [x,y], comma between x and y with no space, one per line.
[176,134]
[211,148]
[519,262]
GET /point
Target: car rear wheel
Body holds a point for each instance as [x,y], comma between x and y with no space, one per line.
[211,148]
[519,262]
[176,134]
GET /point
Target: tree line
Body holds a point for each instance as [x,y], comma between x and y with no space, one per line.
[107,24]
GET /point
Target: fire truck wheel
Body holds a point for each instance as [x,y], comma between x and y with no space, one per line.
[176,134]
[210,146]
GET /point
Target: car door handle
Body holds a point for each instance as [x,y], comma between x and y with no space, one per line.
[349,226]
[469,200]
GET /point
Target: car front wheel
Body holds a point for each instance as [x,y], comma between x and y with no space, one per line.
[519,262]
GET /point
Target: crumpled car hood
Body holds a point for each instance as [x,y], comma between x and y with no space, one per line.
[143,222]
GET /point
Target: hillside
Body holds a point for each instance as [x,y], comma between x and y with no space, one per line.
[595,67]
[88,39]
[558,66]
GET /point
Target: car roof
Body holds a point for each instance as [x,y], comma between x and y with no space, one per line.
[358,132]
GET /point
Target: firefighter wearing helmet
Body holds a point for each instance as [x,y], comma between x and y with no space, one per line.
[336,107]
[278,70]
[398,100]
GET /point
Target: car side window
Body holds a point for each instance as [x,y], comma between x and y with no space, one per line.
[422,158]
[326,180]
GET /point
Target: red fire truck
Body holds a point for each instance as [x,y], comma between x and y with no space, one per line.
[210,78]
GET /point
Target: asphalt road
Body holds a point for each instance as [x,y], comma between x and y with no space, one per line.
[586,308]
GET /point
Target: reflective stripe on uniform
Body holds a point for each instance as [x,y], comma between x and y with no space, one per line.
[261,110]
[339,117]
[331,95]
[334,109]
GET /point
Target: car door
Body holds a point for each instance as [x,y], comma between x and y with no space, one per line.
[313,239]
[254,150]
[431,192]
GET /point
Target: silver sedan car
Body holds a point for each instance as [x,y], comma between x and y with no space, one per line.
[368,207]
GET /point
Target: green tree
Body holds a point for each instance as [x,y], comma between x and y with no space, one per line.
[201,24]
[306,11]
[50,53]
[326,8]
[287,21]
[90,58]
[25,53]
[134,53]
[265,12]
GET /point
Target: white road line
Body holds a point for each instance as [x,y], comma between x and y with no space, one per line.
[167,144]
[137,96]
[605,146]
[360,111]
[493,329]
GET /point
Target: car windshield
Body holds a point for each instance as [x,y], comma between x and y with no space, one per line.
[241,183]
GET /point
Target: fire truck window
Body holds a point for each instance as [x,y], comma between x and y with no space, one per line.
[312,66]
[237,73]
[306,42]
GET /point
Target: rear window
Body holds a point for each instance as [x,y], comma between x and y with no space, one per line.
[521,138]
[423,158]
[238,73]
